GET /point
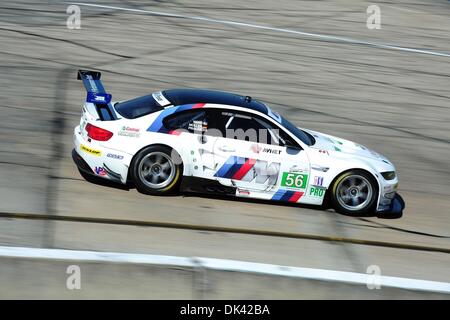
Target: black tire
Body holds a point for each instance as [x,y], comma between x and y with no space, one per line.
[348,198]
[149,175]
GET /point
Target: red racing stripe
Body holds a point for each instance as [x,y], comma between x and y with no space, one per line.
[244,169]
[175,132]
[198,105]
[296,196]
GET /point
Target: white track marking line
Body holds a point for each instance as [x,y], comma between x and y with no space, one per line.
[255,26]
[222,265]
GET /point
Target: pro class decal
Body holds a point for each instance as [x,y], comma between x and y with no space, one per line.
[294,180]
[90,150]
[247,169]
[287,195]
[317,192]
[157,125]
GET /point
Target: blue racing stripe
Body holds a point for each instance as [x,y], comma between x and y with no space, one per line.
[226,166]
[157,125]
[235,167]
[287,196]
[278,195]
[185,107]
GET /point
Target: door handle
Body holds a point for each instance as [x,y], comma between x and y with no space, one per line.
[226,149]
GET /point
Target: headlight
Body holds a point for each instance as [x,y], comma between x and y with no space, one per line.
[388,175]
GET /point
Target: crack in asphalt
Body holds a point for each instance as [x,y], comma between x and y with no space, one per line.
[211,228]
[385,226]
[75,43]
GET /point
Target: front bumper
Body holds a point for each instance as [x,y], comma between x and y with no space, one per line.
[397,205]
[395,208]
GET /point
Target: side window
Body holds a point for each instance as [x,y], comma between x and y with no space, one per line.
[244,127]
[191,120]
[250,127]
[274,135]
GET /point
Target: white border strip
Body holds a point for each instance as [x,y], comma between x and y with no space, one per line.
[269,28]
[222,265]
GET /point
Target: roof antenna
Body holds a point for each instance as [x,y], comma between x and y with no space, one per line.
[248,98]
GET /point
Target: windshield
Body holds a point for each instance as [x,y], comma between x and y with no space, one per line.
[138,107]
[302,135]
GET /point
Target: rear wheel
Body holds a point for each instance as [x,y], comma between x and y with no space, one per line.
[156,170]
[354,193]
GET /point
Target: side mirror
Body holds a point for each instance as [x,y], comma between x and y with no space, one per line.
[293,150]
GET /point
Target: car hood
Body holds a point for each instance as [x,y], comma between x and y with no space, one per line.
[326,142]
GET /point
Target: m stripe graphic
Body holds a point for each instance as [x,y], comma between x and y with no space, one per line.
[249,170]
[157,125]
[244,169]
[234,168]
[287,195]
[226,167]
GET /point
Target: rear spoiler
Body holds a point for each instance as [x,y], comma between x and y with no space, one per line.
[96,93]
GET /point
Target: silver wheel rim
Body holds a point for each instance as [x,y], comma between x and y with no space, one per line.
[354,192]
[156,170]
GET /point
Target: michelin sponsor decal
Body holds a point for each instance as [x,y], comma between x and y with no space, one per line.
[114,156]
[89,150]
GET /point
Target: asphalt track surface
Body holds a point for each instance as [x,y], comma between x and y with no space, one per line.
[387,89]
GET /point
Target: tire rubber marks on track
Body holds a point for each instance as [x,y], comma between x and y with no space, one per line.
[274,29]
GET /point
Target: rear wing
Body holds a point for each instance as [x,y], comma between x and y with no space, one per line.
[96,94]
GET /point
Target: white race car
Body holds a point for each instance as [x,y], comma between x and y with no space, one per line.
[223,143]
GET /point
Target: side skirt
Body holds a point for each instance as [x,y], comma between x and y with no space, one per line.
[202,185]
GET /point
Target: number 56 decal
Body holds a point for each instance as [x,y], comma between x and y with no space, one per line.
[294,180]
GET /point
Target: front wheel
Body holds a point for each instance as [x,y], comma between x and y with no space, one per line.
[156,170]
[354,193]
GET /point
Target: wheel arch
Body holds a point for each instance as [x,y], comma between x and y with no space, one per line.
[183,162]
[326,199]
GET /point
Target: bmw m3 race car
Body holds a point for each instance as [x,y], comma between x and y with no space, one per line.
[217,142]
